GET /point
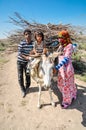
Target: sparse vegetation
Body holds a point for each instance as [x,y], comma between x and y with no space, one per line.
[76,57]
[50,32]
[9,110]
[79,66]
[79,62]
[83,77]
[23,103]
[3,60]
[82,46]
[2,46]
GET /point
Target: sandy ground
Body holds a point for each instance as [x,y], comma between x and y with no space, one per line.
[17,113]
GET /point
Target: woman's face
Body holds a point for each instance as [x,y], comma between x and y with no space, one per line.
[61,40]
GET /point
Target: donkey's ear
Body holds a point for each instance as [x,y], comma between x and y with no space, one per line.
[50,55]
[51,60]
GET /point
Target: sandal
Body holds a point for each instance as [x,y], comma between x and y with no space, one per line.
[65,105]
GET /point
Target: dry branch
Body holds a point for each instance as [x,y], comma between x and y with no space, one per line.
[50,30]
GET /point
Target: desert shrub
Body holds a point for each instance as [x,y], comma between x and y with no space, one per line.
[2,46]
[76,57]
[79,67]
[83,78]
[80,70]
[82,46]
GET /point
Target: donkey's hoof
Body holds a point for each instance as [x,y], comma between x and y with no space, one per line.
[39,106]
[53,104]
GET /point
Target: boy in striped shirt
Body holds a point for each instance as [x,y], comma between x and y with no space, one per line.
[24,49]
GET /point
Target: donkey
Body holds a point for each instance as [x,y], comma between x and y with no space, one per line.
[41,70]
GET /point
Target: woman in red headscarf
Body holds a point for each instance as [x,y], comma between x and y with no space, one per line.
[65,70]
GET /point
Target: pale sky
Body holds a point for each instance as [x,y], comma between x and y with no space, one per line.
[42,11]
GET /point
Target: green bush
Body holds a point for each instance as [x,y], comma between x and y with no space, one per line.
[80,70]
[79,67]
[76,57]
[82,46]
[83,78]
[2,46]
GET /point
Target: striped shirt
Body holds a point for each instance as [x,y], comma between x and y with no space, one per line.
[39,47]
[63,62]
[24,49]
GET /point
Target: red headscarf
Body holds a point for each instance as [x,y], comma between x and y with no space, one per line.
[64,38]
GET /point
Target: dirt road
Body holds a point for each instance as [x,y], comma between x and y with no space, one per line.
[17,113]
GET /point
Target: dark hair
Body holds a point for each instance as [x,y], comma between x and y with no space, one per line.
[27,30]
[39,33]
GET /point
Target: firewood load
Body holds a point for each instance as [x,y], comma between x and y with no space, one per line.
[50,31]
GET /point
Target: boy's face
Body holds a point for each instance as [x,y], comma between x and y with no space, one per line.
[27,35]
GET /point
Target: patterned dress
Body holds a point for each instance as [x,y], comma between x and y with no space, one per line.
[66,76]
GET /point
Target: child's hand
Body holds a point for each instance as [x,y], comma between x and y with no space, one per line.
[27,57]
[38,54]
[32,52]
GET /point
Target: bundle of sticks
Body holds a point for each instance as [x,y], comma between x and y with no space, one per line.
[50,30]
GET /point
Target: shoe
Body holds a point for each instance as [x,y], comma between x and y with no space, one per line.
[65,105]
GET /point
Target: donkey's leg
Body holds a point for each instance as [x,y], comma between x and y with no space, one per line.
[51,98]
[39,97]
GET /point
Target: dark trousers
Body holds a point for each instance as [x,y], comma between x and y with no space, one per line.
[21,67]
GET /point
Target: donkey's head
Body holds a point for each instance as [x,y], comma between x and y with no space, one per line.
[47,68]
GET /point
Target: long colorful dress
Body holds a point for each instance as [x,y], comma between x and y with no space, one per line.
[66,76]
